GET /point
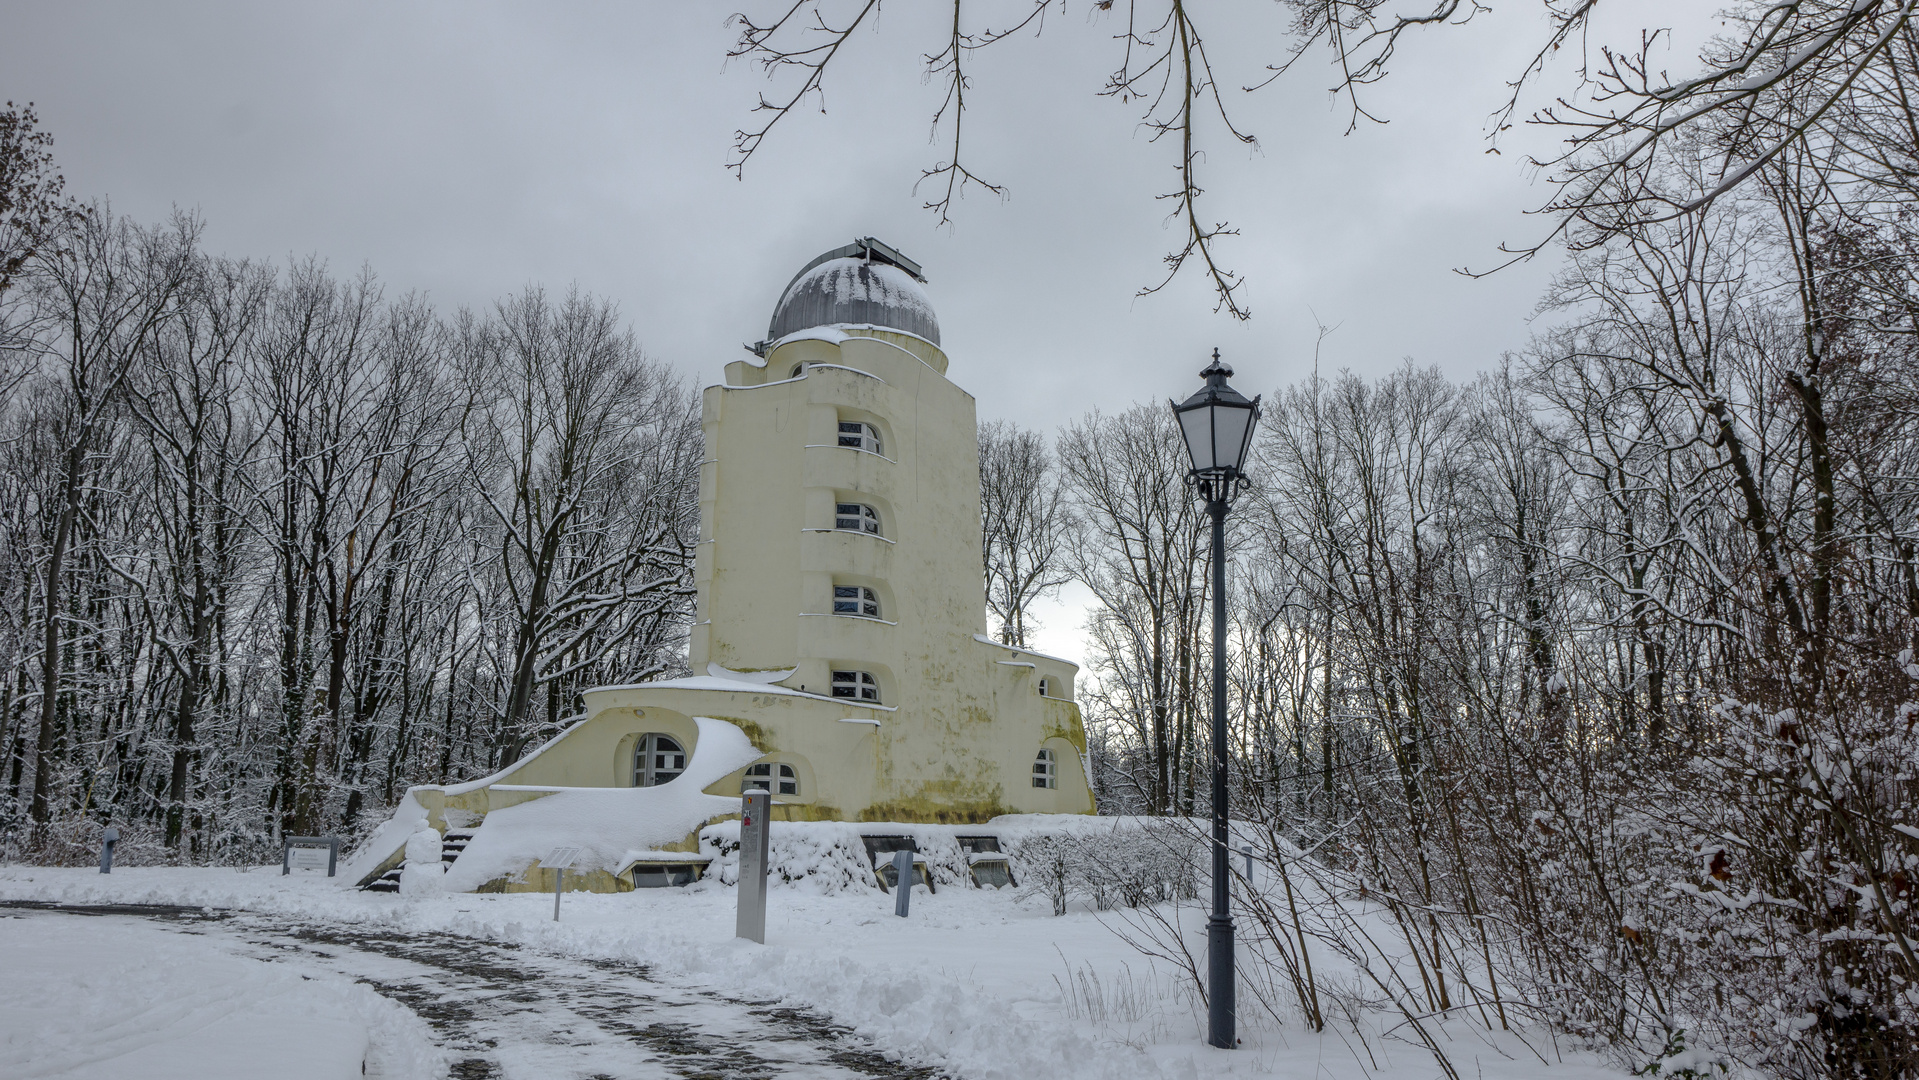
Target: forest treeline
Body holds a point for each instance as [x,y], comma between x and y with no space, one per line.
[276,543]
[1597,670]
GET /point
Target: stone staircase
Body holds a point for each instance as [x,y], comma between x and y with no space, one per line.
[387,882]
[451,845]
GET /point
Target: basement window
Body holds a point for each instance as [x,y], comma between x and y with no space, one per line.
[664,875]
[990,871]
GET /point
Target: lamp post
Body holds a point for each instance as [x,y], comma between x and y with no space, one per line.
[1218,425]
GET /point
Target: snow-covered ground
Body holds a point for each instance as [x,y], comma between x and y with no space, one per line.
[974,982]
[102,997]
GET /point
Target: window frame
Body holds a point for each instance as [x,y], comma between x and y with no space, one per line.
[772,777]
[863,601]
[865,518]
[1046,769]
[862,687]
[646,771]
[864,436]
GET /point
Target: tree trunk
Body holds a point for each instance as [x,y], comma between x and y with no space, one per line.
[50,659]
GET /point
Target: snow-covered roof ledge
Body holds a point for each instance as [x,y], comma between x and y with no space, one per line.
[735,686]
[984,640]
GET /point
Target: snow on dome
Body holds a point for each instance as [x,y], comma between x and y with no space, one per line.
[857,290]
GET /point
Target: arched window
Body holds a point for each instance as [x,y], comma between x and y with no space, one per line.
[856,600]
[857,517]
[1045,770]
[798,370]
[859,436]
[858,685]
[657,759]
[775,776]
[1045,686]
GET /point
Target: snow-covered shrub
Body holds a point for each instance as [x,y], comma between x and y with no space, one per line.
[830,856]
[1146,865]
[1050,866]
[820,856]
[1107,862]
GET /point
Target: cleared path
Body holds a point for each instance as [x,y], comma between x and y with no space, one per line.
[511,1012]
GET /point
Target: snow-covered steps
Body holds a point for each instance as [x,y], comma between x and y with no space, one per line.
[387,882]
[453,843]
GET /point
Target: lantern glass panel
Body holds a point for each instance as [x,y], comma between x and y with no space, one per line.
[1197,426]
[1229,435]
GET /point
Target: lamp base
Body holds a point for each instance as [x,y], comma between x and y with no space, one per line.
[1220,1010]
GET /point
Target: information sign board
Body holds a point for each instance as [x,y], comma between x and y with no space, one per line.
[309,858]
[309,853]
[557,861]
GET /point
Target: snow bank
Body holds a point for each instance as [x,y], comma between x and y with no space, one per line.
[827,857]
[822,857]
[1112,860]
[979,983]
[610,826]
[97,998]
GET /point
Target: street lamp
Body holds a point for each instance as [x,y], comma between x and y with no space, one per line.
[1218,424]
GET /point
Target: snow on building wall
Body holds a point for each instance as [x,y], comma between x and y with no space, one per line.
[840,612]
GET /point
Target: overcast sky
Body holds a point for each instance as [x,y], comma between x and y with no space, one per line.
[467,150]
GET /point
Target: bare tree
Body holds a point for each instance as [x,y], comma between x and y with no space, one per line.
[1140,546]
[1793,73]
[187,397]
[1024,525]
[33,210]
[110,285]
[585,454]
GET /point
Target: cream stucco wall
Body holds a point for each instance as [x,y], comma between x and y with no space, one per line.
[960,720]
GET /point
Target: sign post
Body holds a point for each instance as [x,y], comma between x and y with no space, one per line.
[107,840]
[309,853]
[902,880]
[753,851]
[558,861]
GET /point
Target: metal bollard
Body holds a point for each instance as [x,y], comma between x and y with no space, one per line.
[750,923]
[107,840]
[902,881]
